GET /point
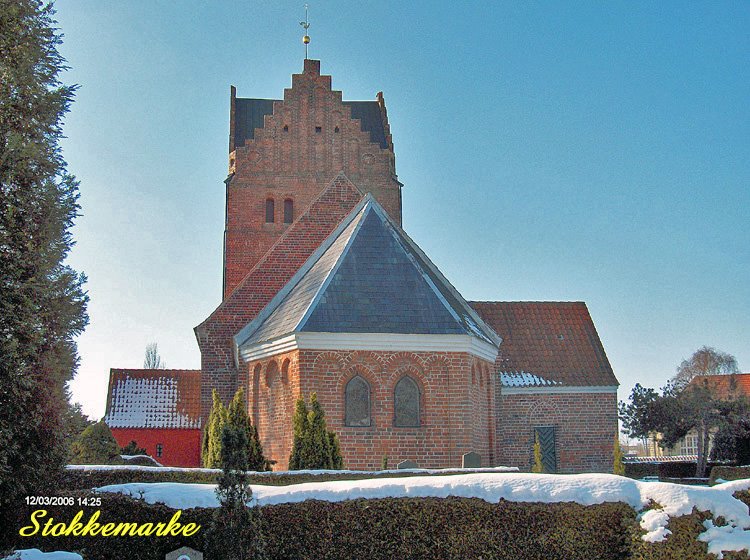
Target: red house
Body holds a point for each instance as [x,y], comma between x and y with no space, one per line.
[159,409]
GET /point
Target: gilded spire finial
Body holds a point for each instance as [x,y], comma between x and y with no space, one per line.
[305,25]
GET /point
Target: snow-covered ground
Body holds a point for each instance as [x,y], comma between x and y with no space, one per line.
[36,554]
[585,489]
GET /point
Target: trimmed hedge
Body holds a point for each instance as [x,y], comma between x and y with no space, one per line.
[729,473]
[672,469]
[382,529]
[85,480]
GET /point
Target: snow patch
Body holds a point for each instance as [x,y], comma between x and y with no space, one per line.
[36,554]
[524,379]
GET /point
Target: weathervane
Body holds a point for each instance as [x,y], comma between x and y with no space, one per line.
[305,25]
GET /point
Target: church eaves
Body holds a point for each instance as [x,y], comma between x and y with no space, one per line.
[369,278]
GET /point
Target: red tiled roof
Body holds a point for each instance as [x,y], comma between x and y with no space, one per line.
[727,384]
[154,398]
[547,344]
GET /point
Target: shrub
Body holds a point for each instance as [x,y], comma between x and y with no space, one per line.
[96,446]
[132,449]
[729,473]
[313,446]
[414,528]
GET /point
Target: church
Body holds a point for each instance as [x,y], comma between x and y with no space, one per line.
[324,291]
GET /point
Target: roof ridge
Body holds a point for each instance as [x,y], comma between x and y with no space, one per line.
[261,262]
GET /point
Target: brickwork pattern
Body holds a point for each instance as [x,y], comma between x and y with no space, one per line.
[274,270]
[308,140]
[456,411]
[585,427]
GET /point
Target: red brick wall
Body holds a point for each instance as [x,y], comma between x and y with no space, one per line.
[585,428]
[297,164]
[261,284]
[456,411]
[180,448]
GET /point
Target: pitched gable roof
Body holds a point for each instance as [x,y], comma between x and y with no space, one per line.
[547,344]
[726,385]
[368,277]
[281,261]
[154,398]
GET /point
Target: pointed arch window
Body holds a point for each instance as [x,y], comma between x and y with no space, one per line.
[269,210]
[406,403]
[357,402]
[288,211]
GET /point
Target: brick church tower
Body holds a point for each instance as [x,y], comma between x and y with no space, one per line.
[282,153]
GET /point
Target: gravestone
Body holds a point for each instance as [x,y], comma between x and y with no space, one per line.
[471,460]
[184,553]
[407,465]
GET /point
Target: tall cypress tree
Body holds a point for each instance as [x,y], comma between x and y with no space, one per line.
[211,445]
[313,447]
[237,416]
[42,301]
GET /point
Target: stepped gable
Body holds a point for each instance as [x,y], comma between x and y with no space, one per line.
[154,398]
[250,114]
[547,344]
[370,278]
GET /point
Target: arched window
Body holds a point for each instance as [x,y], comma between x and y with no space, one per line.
[357,402]
[406,403]
[288,211]
[269,210]
[272,372]
[285,371]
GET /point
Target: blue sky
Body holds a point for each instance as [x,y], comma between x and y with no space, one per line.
[549,151]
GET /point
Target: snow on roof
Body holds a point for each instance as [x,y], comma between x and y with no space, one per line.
[585,489]
[524,379]
[153,399]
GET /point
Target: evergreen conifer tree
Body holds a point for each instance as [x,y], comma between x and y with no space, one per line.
[96,446]
[42,301]
[237,416]
[217,418]
[538,465]
[236,531]
[313,447]
[297,459]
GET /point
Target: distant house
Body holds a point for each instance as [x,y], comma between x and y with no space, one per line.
[159,409]
[726,386]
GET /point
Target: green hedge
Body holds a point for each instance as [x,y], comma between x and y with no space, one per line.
[412,528]
[85,479]
[672,469]
[729,473]
[380,529]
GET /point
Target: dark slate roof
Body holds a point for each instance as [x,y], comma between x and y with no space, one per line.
[369,278]
[249,115]
[368,113]
[547,344]
[154,398]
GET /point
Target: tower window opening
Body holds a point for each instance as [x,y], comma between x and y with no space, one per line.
[318,129]
[336,129]
[286,128]
[269,210]
[288,211]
